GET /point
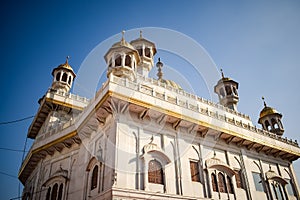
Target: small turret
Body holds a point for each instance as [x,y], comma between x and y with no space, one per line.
[270,119]
[146,50]
[63,77]
[122,59]
[226,89]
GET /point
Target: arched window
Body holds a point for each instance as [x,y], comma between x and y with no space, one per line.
[229,185]
[54,192]
[94,179]
[64,77]
[155,172]
[214,182]
[268,126]
[60,192]
[58,76]
[118,61]
[147,52]
[228,90]
[48,193]
[127,61]
[221,182]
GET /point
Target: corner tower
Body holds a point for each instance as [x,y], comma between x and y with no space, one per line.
[226,89]
[270,119]
[146,50]
[63,77]
[122,59]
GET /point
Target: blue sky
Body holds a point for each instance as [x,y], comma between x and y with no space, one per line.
[257,43]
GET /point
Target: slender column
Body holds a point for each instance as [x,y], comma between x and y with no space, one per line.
[203,178]
[294,181]
[245,176]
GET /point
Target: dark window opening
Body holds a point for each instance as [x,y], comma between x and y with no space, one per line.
[127,61]
[229,185]
[58,76]
[94,179]
[228,90]
[140,51]
[60,192]
[155,172]
[118,61]
[268,126]
[221,182]
[69,81]
[48,193]
[147,52]
[64,77]
[194,171]
[214,182]
[238,178]
[54,192]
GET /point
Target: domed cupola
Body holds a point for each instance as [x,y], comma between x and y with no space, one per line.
[168,83]
[270,119]
[146,50]
[226,89]
[63,77]
[122,59]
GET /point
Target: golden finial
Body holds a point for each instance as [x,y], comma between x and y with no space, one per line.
[123,40]
[67,59]
[222,74]
[159,65]
[263,98]
[141,34]
[151,139]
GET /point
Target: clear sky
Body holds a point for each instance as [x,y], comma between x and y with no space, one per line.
[256,42]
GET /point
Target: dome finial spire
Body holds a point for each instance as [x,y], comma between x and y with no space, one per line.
[263,98]
[67,59]
[123,40]
[159,65]
[222,74]
[141,34]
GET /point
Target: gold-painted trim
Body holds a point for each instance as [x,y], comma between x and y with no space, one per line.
[58,140]
[64,104]
[32,152]
[201,123]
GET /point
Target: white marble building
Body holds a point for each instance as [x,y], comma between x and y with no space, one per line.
[142,138]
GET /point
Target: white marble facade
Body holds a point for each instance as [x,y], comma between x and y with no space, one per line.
[141,138]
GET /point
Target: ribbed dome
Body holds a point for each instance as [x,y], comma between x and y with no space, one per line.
[122,43]
[267,111]
[64,66]
[172,84]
